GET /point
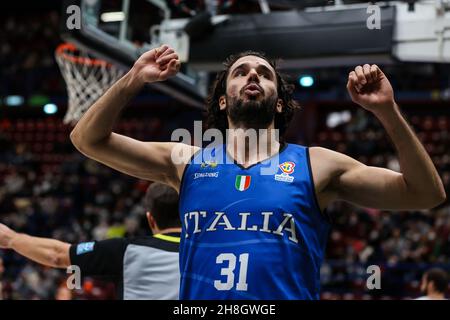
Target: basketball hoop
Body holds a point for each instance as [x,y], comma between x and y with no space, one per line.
[87,78]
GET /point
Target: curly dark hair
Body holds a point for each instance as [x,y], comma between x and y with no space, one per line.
[216,118]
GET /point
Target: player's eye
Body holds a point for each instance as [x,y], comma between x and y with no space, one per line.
[266,75]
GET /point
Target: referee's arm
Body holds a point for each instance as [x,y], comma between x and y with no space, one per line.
[49,252]
[95,258]
[99,258]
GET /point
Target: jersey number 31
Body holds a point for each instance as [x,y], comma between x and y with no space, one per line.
[229,272]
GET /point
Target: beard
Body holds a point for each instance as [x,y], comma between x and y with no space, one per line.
[252,113]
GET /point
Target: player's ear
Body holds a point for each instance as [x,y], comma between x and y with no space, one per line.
[222,102]
[279,107]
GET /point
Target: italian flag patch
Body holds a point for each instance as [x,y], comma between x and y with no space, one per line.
[242,182]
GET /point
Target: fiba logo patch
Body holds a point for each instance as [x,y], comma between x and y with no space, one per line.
[286,168]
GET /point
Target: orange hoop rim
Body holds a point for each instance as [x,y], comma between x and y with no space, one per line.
[63,49]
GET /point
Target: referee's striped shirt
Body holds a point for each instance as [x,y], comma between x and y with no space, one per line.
[144,268]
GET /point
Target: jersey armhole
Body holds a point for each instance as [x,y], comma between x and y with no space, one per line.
[323,213]
[186,168]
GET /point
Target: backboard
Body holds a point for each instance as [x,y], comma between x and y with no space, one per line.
[119,31]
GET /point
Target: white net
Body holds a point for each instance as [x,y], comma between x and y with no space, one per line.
[86,78]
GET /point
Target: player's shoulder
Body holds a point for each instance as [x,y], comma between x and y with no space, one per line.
[328,155]
[182,150]
[330,163]
[316,150]
[324,156]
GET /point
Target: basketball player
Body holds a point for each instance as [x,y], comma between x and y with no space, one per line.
[247,235]
[143,268]
[434,284]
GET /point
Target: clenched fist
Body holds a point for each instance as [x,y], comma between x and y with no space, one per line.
[6,236]
[369,87]
[158,64]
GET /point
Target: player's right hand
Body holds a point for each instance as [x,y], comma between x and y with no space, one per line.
[158,64]
[6,236]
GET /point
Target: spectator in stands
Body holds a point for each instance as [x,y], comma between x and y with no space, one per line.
[434,284]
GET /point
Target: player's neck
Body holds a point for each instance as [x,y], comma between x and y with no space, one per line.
[247,146]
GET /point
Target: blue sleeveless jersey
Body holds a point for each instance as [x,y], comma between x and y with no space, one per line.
[248,235]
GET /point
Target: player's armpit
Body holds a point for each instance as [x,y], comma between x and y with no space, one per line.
[145,160]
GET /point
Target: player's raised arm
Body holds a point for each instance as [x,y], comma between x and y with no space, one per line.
[93,134]
[417,186]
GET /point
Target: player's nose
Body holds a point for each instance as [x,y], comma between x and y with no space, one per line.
[253,76]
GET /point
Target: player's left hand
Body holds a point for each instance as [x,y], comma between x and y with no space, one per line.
[370,88]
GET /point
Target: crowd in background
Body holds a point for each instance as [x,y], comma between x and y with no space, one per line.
[27,44]
[60,194]
[403,243]
[49,189]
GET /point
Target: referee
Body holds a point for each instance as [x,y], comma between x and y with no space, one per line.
[143,268]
